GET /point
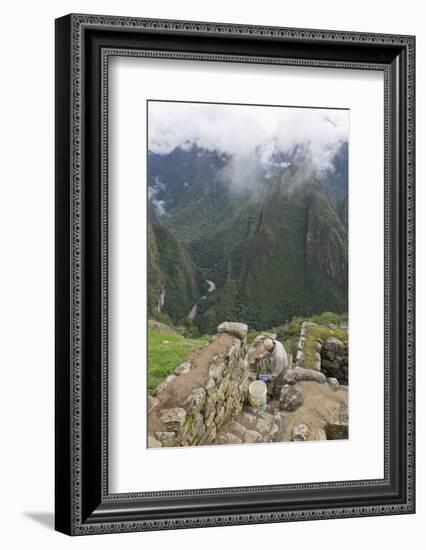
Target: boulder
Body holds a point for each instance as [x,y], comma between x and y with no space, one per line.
[334,359]
[200,432]
[152,403]
[173,418]
[161,387]
[153,443]
[300,432]
[208,419]
[281,420]
[220,416]
[333,383]
[167,439]
[251,436]
[249,420]
[330,367]
[236,428]
[183,368]
[339,429]
[290,376]
[228,439]
[268,417]
[290,399]
[216,371]
[299,374]
[333,347]
[209,436]
[263,427]
[272,433]
[236,329]
[210,385]
[320,435]
[195,400]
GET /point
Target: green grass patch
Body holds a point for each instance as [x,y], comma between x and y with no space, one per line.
[167,351]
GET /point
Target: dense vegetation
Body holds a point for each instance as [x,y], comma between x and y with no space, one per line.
[274,253]
[171,269]
[293,263]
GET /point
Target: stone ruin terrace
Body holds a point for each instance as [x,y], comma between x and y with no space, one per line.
[206,401]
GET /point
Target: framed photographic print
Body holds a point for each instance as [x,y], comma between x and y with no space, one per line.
[234,274]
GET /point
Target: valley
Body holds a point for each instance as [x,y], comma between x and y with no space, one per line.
[211,288]
[261,252]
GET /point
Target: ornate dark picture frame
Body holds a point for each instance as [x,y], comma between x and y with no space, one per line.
[83,45]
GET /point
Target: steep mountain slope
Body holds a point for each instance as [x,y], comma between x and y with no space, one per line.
[201,210]
[294,263]
[184,176]
[174,282]
[275,248]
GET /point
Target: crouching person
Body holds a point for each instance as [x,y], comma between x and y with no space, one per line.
[279,366]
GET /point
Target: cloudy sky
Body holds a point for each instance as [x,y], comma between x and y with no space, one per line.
[243,130]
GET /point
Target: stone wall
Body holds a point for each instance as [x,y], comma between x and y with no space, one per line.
[331,355]
[205,392]
[334,360]
[205,401]
[300,355]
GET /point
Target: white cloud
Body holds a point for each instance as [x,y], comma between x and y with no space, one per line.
[153,190]
[159,206]
[248,131]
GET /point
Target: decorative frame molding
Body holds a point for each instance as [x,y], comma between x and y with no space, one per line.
[84,44]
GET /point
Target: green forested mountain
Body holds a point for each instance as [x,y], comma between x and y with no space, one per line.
[174,282]
[294,263]
[274,251]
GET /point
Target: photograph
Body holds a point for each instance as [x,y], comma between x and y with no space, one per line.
[234,227]
[247,273]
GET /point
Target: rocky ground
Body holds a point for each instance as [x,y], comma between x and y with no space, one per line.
[206,401]
[310,405]
[320,413]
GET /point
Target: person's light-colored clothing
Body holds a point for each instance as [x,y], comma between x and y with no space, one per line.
[279,360]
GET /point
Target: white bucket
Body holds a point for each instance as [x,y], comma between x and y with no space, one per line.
[257,394]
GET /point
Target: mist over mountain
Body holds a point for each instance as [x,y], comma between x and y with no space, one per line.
[264,218]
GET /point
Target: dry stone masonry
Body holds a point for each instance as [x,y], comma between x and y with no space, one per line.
[190,406]
[206,402]
[334,360]
[331,355]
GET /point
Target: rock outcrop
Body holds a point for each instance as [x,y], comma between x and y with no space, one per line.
[339,428]
[205,401]
[299,374]
[237,329]
[190,406]
[291,398]
[334,360]
[300,432]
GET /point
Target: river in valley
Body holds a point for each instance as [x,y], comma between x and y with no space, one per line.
[211,288]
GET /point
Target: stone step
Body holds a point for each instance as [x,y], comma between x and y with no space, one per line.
[252,426]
